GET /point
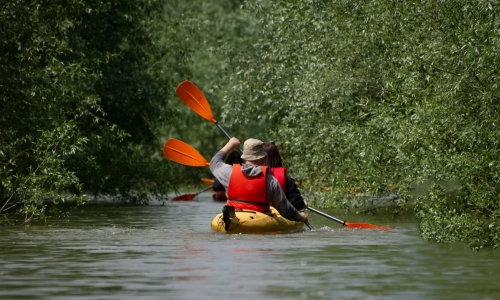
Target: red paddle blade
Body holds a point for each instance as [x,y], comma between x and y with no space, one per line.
[186,197]
[365,226]
[194,98]
[183,153]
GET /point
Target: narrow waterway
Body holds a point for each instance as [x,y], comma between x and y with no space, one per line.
[169,252]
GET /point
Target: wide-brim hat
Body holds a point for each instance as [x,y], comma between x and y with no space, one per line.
[253,150]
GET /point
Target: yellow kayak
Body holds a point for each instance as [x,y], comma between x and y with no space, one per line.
[249,221]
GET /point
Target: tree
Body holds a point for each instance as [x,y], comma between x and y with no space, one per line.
[375,97]
[84,87]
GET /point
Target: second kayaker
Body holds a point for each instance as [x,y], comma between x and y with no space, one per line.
[275,162]
[248,186]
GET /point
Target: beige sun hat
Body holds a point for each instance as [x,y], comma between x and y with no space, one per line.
[253,150]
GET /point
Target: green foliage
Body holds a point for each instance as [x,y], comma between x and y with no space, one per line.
[138,69]
[45,177]
[84,87]
[446,217]
[41,96]
[366,98]
[377,97]
[211,28]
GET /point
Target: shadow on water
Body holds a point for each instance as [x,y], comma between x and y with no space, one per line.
[169,252]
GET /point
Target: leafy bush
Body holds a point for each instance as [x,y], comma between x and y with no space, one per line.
[85,86]
[379,97]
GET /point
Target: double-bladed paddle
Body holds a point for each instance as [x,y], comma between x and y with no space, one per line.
[190,94]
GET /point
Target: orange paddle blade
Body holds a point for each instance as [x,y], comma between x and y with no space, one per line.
[365,226]
[208,181]
[183,153]
[186,197]
[194,98]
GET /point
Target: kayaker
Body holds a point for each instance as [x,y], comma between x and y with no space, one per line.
[275,162]
[248,186]
[220,191]
[234,157]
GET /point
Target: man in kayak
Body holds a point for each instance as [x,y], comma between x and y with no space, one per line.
[249,187]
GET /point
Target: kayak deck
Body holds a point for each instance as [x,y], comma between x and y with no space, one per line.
[248,221]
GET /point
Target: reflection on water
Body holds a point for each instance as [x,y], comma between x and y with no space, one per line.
[169,252]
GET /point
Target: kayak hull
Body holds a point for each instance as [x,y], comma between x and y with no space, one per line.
[248,221]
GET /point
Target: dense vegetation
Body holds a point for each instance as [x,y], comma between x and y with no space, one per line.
[84,90]
[366,98]
[381,97]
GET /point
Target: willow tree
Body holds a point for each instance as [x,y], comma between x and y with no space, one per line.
[84,88]
[378,97]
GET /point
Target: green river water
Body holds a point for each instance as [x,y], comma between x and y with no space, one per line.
[169,252]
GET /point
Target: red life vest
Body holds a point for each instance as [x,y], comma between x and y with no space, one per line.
[248,193]
[279,173]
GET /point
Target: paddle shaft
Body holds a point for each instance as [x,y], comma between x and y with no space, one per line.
[326,216]
[189,197]
[226,134]
[309,225]
[204,190]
